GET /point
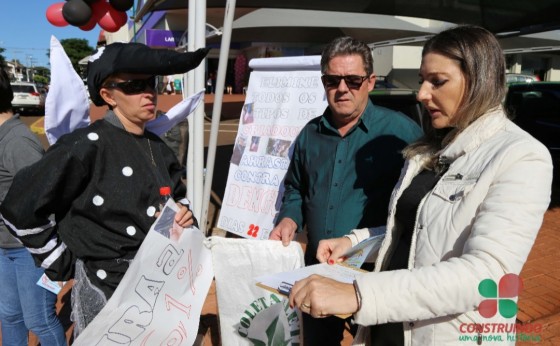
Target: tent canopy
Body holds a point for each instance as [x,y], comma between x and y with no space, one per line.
[499,16]
[311,26]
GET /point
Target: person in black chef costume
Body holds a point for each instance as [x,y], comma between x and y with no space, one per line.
[84,209]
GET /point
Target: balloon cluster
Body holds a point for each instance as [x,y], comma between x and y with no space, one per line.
[85,14]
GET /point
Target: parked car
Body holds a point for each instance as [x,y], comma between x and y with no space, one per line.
[520,78]
[27,98]
[381,82]
[401,100]
[535,107]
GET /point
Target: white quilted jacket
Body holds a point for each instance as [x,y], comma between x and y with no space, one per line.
[480,221]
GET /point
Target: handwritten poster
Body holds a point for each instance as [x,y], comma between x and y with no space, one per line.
[160,298]
[283,95]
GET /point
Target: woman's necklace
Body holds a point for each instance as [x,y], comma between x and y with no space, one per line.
[143,150]
[151,153]
[112,118]
[160,174]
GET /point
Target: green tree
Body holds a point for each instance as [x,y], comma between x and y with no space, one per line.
[41,75]
[77,49]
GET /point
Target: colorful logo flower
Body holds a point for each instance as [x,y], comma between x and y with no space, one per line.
[500,297]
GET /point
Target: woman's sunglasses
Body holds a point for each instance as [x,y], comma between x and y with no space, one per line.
[134,86]
[352,81]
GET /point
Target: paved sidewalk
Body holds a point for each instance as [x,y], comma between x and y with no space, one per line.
[539,302]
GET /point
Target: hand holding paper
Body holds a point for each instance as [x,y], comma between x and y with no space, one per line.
[333,250]
[283,282]
[323,290]
[321,297]
[339,250]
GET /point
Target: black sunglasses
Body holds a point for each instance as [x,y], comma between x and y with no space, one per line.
[134,86]
[352,81]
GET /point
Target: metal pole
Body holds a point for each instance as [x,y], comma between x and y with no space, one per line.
[27,67]
[198,146]
[190,91]
[217,109]
[133,22]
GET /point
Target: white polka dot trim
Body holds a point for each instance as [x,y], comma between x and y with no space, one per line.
[151,211]
[127,171]
[101,274]
[131,230]
[98,200]
[92,136]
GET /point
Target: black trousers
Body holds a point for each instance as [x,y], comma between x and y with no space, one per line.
[325,331]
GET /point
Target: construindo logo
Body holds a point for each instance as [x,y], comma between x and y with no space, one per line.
[500,297]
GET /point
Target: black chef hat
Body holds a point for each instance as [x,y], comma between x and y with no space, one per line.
[136,58]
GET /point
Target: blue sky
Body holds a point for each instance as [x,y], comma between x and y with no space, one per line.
[25,31]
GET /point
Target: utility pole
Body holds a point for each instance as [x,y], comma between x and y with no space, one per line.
[29,68]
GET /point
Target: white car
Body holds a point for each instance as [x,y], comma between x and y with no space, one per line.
[27,97]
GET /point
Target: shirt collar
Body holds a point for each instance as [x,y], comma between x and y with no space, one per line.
[326,125]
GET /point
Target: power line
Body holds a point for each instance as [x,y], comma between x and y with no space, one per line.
[15,53]
[23,48]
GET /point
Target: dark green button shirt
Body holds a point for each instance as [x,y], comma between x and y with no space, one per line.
[335,184]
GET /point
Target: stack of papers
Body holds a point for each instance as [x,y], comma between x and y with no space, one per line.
[345,272]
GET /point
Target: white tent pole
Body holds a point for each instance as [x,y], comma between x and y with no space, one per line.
[199,83]
[190,91]
[217,109]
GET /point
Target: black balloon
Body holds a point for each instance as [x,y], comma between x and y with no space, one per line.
[121,5]
[76,12]
[89,2]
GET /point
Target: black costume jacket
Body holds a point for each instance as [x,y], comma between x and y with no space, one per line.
[92,197]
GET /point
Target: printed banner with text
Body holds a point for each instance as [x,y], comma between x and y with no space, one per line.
[283,95]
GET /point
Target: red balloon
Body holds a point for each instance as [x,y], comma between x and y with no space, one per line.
[99,9]
[112,20]
[54,15]
[90,24]
[123,17]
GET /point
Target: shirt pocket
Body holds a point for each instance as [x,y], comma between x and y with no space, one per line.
[453,188]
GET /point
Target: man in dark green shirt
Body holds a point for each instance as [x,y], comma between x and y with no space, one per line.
[344,166]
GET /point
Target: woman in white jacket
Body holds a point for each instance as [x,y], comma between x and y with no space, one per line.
[466,210]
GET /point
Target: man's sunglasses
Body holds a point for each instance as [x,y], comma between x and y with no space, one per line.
[134,86]
[352,81]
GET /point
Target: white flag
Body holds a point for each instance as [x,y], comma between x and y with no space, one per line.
[67,104]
